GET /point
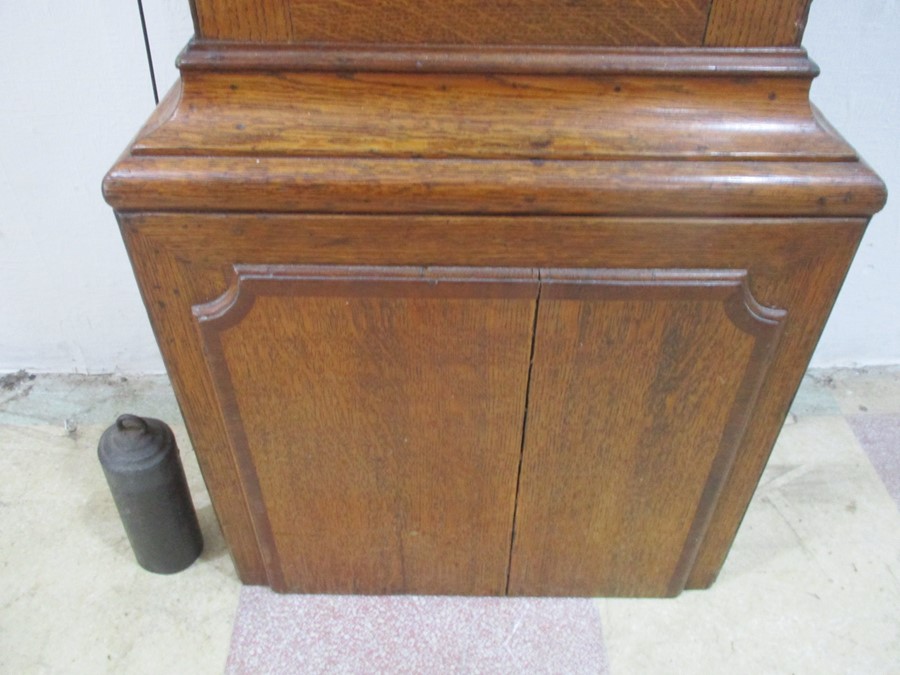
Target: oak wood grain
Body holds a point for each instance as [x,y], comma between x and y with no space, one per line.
[375,415]
[187,259]
[605,116]
[258,21]
[642,387]
[235,184]
[603,22]
[166,288]
[822,278]
[760,23]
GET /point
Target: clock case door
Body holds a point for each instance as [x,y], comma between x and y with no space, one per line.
[378,418]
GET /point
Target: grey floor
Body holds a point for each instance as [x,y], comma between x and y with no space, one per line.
[812,584]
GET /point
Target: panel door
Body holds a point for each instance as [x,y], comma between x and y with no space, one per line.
[376,418]
[641,389]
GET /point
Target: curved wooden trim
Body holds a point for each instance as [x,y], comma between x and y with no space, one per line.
[732,286]
[749,313]
[211,55]
[479,117]
[495,187]
[231,302]
[250,281]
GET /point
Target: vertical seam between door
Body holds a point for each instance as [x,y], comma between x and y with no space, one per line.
[534,326]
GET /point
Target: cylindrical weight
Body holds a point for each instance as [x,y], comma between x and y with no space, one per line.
[143,468]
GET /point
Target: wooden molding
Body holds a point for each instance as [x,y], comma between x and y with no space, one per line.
[498,130]
[212,55]
[733,137]
[248,281]
[434,116]
[675,189]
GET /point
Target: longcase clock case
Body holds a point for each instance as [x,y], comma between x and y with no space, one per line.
[477,298]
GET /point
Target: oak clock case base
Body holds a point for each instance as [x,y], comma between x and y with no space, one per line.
[388,400]
[475,321]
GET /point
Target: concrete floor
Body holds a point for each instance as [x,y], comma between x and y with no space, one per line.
[812,584]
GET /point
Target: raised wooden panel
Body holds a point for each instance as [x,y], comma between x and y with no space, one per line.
[641,389]
[760,23]
[376,415]
[600,22]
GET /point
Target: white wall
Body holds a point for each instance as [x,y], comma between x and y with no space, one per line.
[857,46]
[75,88]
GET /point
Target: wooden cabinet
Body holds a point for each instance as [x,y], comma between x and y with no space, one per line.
[498,318]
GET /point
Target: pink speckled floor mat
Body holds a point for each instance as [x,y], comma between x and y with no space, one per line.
[879,435]
[403,634]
